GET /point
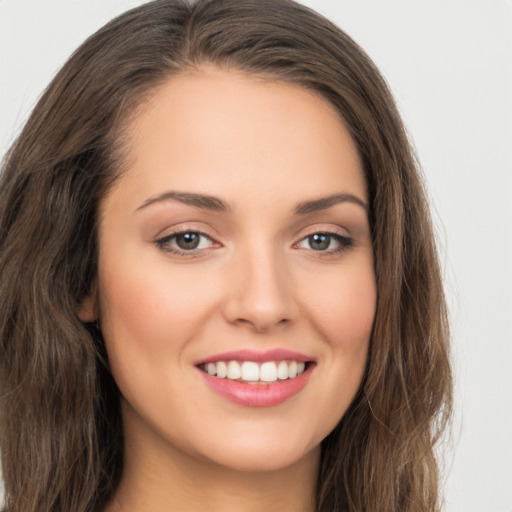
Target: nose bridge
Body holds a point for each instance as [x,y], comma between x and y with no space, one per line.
[261,288]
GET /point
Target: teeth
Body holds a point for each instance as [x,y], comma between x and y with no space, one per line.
[222,369]
[249,371]
[268,372]
[282,370]
[234,371]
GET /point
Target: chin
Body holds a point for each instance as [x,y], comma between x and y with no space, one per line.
[258,452]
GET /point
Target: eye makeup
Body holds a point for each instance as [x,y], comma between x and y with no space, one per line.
[192,242]
[186,243]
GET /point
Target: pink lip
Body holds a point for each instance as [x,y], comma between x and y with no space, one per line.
[277,354]
[258,395]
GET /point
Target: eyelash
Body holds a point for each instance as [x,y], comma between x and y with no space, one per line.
[344,243]
[164,243]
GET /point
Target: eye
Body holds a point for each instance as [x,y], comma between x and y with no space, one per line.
[325,242]
[185,242]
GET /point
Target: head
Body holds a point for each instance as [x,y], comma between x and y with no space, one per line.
[69,160]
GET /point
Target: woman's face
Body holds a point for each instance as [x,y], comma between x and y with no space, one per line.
[237,240]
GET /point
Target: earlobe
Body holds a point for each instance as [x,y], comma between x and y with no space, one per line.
[87,310]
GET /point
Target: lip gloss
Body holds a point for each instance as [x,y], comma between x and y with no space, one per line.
[276,354]
[260,394]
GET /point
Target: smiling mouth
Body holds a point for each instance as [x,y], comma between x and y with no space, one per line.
[251,372]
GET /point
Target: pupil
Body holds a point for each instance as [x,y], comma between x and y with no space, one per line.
[319,241]
[187,240]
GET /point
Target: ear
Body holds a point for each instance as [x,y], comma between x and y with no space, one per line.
[87,310]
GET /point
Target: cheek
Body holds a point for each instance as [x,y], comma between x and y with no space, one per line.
[343,305]
[148,315]
[343,311]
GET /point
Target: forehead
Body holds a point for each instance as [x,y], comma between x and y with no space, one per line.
[225,133]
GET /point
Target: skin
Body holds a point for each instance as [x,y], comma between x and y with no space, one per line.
[255,282]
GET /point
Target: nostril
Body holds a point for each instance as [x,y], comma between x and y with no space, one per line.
[261,297]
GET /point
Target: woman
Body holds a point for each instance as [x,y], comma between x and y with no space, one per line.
[219,282]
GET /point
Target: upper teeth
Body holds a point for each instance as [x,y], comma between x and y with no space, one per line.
[251,371]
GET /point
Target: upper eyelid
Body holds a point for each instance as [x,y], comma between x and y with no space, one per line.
[182,231]
[331,230]
[301,234]
[333,234]
[169,232]
[298,235]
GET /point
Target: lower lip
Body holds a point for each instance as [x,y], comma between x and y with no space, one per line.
[258,395]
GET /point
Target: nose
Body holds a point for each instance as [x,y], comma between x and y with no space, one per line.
[261,292]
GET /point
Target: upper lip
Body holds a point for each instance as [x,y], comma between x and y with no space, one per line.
[277,354]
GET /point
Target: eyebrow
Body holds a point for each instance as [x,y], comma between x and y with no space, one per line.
[218,205]
[198,200]
[323,203]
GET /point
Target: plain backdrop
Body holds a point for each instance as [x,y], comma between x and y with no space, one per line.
[449,63]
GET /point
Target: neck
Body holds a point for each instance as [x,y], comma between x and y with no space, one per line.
[162,478]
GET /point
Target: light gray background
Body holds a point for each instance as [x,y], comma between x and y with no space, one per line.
[449,63]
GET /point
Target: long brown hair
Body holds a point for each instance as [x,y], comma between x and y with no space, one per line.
[60,427]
